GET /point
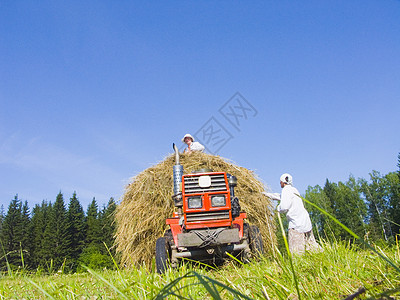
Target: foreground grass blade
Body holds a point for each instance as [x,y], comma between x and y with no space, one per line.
[210,289]
[9,270]
[22,256]
[112,257]
[168,290]
[234,258]
[229,289]
[106,282]
[391,221]
[198,263]
[208,283]
[385,295]
[41,289]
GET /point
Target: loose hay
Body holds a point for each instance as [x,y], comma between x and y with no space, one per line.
[147,203]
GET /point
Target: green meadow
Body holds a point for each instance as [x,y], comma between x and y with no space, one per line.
[340,270]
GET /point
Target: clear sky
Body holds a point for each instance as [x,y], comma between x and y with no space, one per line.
[94,92]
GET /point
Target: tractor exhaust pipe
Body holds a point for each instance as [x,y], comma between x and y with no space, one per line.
[176,154]
[178,172]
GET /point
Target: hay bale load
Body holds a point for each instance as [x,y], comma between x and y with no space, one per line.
[147,203]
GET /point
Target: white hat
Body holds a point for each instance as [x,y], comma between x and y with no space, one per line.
[286,178]
[187,135]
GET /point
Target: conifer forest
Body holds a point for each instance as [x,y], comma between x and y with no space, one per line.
[56,237]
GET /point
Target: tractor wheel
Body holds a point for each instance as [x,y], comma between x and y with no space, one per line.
[255,241]
[161,255]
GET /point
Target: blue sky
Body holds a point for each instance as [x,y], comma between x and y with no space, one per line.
[94,92]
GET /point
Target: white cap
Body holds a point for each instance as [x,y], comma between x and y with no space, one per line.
[286,178]
[187,135]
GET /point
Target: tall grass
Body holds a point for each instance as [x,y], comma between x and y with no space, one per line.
[338,271]
[341,270]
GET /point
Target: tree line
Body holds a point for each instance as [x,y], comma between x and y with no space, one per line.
[54,237]
[370,208]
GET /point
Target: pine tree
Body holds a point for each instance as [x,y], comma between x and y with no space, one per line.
[47,246]
[108,225]
[94,254]
[94,235]
[40,218]
[59,216]
[12,232]
[54,243]
[76,231]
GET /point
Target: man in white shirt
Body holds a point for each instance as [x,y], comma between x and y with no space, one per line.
[300,235]
[192,145]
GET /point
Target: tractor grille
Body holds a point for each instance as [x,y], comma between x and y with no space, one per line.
[218,184]
[207,216]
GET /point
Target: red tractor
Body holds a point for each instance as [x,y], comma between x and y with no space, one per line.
[208,221]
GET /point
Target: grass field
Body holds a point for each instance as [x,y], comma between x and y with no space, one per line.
[338,271]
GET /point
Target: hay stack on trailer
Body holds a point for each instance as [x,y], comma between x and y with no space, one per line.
[147,203]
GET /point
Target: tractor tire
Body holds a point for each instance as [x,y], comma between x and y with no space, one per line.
[255,241]
[161,255]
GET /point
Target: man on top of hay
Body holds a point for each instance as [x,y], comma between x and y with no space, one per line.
[192,145]
[300,235]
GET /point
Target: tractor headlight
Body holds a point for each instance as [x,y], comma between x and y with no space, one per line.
[195,202]
[218,200]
